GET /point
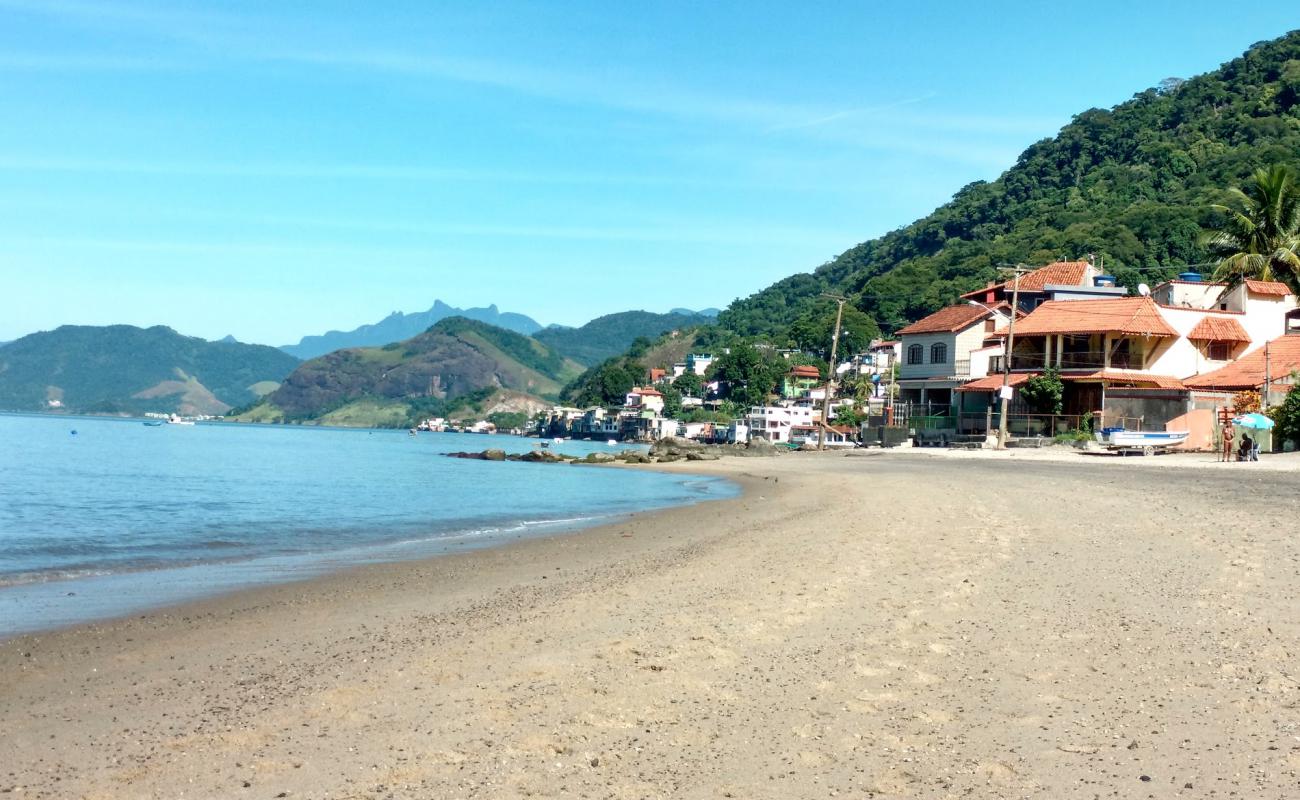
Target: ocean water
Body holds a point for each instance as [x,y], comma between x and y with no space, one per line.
[119,517]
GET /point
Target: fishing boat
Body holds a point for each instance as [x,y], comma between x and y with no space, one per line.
[1145,441]
[153,424]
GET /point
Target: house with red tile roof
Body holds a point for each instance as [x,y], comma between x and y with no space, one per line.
[1276,361]
[946,349]
[1127,348]
[1037,286]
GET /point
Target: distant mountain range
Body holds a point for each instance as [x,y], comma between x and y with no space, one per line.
[397,327]
[424,375]
[122,369]
[612,334]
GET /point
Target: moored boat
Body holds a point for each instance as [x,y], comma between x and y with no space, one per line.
[1146,441]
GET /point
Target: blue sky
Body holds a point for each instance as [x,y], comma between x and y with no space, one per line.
[277,169]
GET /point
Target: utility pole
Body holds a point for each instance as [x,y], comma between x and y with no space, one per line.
[1268,383]
[1005,394]
[830,377]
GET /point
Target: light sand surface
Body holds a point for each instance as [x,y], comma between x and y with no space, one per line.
[861,626]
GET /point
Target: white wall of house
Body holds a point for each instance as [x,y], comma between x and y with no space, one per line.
[1188,294]
[959,347]
[1264,318]
[774,422]
[980,357]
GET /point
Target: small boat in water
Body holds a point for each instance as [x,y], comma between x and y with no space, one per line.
[153,424]
[176,420]
[1145,441]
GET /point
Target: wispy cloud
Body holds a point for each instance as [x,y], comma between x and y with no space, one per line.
[226,36]
[852,114]
[907,125]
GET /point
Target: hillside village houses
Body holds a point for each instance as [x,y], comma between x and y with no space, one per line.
[1170,356]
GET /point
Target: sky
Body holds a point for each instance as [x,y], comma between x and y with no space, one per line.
[271,170]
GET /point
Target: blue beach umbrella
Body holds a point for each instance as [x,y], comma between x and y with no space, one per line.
[1254,421]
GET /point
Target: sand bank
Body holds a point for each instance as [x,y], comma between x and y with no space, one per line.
[852,626]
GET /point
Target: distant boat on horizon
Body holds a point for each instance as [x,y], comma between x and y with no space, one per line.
[176,420]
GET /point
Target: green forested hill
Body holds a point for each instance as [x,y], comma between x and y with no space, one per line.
[124,369]
[1130,184]
[611,334]
[422,376]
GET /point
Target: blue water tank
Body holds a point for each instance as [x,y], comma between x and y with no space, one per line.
[1190,277]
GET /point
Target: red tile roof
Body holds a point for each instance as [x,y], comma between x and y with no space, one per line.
[656,374]
[1247,372]
[1135,378]
[950,319]
[992,383]
[805,371]
[1068,273]
[1218,329]
[646,391]
[1267,287]
[1132,316]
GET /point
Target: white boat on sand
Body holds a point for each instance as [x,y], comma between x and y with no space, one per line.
[1145,441]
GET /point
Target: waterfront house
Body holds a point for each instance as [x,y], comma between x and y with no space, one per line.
[644,398]
[775,423]
[1275,363]
[1138,360]
[947,349]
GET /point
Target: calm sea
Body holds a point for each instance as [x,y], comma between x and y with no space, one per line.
[104,517]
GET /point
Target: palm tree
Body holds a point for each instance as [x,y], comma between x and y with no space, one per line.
[1260,235]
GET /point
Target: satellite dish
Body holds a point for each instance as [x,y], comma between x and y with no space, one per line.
[1143,289]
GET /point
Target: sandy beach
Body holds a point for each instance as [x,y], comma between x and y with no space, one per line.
[868,625]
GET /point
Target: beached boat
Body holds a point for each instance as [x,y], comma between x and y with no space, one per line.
[1145,441]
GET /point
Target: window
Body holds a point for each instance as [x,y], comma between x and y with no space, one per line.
[939,353]
[915,354]
[1218,351]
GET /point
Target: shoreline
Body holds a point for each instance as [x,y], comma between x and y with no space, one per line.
[889,626]
[175,589]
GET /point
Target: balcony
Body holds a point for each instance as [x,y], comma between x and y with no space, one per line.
[1081,360]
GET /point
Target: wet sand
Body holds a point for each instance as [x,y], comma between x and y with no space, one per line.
[876,625]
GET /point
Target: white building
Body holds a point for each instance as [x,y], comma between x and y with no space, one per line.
[948,348]
[774,423]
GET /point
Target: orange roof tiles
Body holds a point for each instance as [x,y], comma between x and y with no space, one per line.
[805,371]
[1133,316]
[949,320]
[992,383]
[1069,273]
[1247,372]
[1267,287]
[1218,329]
[1137,378]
